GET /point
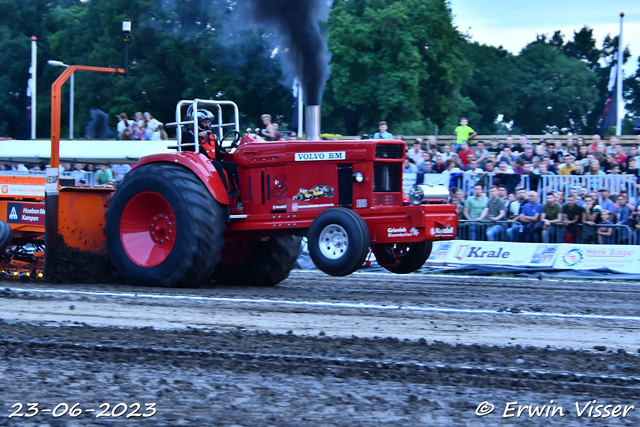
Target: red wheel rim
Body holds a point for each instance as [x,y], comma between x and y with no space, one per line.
[148,229]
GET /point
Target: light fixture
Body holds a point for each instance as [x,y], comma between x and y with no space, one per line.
[126,26]
[358,177]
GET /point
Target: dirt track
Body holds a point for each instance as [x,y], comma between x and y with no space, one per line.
[363,350]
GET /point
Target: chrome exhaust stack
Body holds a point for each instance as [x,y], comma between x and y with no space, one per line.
[313,122]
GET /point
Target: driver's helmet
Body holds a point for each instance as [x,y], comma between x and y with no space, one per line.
[202,116]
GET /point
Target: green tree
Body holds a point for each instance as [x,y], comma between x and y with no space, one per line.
[492,88]
[394,60]
[555,91]
[632,92]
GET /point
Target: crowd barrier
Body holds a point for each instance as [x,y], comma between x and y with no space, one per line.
[543,184]
[514,231]
[614,183]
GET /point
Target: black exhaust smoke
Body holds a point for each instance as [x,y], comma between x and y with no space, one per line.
[304,48]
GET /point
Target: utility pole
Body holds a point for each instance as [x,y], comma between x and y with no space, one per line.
[620,106]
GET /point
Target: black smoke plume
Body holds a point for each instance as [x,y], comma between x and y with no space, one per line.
[304,48]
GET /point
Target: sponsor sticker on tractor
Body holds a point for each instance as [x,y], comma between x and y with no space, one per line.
[402,232]
[26,213]
[321,156]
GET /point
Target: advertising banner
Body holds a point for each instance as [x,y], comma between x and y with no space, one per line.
[620,258]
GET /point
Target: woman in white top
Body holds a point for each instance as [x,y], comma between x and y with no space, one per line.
[123,124]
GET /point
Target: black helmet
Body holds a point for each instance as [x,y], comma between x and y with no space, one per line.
[202,116]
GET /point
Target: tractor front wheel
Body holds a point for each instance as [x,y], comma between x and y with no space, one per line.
[163,227]
[338,241]
[262,263]
[403,258]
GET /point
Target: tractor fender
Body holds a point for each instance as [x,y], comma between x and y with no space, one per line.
[199,165]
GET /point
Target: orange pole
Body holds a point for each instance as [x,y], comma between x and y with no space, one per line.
[56,91]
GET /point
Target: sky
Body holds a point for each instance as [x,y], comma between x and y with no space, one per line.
[515,23]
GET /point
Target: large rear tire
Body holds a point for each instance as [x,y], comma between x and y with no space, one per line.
[411,256]
[338,241]
[268,263]
[164,228]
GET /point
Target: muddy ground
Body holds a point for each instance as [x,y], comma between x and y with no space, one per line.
[370,349]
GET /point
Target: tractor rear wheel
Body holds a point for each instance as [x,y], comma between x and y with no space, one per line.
[264,263]
[409,256]
[163,227]
[338,241]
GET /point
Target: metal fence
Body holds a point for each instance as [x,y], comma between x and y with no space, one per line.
[614,183]
[486,231]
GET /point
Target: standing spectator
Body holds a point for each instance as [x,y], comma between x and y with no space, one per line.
[518,147]
[633,154]
[416,153]
[120,171]
[551,218]
[451,167]
[559,150]
[605,201]
[463,133]
[448,152]
[136,132]
[269,132]
[589,218]
[594,169]
[605,230]
[572,215]
[527,156]
[464,153]
[620,157]
[482,154]
[150,126]
[439,165]
[426,160]
[633,169]
[383,131]
[104,175]
[123,124]
[432,144]
[495,211]
[551,151]
[473,167]
[540,150]
[582,155]
[571,147]
[138,119]
[623,217]
[530,217]
[535,165]
[596,141]
[508,157]
[409,167]
[474,208]
[568,167]
[496,147]
[489,167]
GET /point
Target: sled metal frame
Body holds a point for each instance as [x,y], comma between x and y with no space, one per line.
[52,197]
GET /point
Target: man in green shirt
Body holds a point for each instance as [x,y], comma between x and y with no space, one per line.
[551,219]
[495,211]
[463,133]
[473,209]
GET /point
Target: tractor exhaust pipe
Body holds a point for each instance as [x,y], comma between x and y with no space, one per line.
[313,122]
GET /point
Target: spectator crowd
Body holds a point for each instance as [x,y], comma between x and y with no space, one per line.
[143,127]
[500,208]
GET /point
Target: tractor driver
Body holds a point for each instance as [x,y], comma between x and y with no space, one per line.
[210,147]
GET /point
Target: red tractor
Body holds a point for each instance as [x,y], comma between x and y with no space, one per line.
[171,223]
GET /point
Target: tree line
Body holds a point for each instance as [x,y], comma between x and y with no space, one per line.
[402,61]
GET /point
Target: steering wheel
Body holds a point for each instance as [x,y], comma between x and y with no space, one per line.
[234,144]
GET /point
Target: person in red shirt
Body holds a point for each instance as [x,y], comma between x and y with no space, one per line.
[620,157]
[464,154]
[594,144]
